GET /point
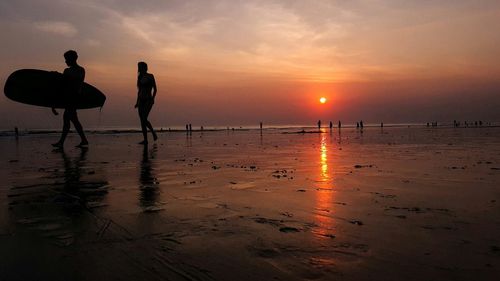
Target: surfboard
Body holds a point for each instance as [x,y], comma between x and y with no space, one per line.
[46,88]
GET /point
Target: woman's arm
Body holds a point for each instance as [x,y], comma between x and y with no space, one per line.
[137,100]
[155,89]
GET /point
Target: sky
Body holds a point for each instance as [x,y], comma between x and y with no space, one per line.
[236,63]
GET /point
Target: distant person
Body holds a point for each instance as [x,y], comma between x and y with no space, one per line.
[340,124]
[16,132]
[331,125]
[73,77]
[361,124]
[319,124]
[145,99]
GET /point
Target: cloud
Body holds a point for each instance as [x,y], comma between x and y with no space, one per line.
[93,43]
[56,27]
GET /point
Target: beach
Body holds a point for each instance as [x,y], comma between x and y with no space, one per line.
[392,203]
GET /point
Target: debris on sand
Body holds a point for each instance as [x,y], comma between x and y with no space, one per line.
[356,222]
[358,166]
[288,229]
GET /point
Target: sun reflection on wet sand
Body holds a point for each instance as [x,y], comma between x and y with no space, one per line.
[324,159]
[323,210]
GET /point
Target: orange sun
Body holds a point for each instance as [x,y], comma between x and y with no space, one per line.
[322,100]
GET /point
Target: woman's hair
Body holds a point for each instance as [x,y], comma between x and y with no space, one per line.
[141,66]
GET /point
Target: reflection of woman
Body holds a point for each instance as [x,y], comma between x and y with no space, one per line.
[147,179]
[145,100]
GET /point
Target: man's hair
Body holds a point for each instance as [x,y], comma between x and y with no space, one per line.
[71,55]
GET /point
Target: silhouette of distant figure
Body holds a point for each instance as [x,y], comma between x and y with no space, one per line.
[357,124]
[145,100]
[331,125]
[73,77]
[319,124]
[361,124]
[340,124]
[16,132]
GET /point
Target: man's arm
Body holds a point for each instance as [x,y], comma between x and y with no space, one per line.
[65,73]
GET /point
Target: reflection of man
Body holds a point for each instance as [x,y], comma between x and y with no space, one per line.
[73,77]
[79,189]
[73,169]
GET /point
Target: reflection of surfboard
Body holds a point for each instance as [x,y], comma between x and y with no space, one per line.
[45,88]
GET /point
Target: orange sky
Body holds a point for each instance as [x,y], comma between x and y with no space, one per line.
[240,62]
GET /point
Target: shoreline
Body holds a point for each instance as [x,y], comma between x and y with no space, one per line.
[295,129]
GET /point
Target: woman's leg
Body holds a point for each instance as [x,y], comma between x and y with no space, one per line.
[148,124]
[143,118]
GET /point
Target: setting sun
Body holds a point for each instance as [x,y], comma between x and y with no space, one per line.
[322,100]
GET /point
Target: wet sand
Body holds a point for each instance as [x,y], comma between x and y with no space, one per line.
[391,204]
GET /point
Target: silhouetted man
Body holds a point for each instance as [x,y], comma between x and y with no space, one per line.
[73,77]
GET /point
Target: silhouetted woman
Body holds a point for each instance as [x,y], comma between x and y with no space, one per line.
[145,99]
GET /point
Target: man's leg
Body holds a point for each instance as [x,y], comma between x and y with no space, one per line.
[65,130]
[78,127]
